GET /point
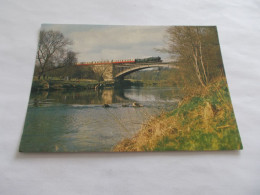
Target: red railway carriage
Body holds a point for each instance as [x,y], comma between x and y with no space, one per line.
[106,62]
[144,60]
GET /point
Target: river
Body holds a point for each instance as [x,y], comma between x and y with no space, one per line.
[77,121]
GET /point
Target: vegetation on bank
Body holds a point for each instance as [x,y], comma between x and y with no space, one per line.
[39,85]
[201,122]
[82,84]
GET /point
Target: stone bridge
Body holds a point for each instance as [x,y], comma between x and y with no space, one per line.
[112,72]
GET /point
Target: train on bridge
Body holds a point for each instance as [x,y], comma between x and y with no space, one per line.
[129,61]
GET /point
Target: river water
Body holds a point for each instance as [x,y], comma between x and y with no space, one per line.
[70,121]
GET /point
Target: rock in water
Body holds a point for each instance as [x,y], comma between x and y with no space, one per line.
[106,106]
[135,104]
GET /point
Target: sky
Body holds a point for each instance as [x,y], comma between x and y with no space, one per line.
[105,42]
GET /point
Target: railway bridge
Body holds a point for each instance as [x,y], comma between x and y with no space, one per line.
[117,71]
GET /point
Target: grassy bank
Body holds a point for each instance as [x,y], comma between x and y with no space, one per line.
[66,85]
[57,84]
[204,122]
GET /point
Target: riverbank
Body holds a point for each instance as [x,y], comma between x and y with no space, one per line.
[38,85]
[204,122]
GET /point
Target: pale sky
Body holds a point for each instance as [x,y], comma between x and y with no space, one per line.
[102,42]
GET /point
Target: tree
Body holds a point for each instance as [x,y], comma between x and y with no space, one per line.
[69,61]
[81,72]
[197,53]
[51,51]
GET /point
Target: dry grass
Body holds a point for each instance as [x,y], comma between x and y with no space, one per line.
[205,122]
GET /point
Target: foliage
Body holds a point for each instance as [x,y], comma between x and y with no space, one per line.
[61,84]
[72,72]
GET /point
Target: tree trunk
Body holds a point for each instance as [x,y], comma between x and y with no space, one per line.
[195,64]
[202,64]
[40,75]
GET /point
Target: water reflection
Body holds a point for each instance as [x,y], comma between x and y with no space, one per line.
[70,121]
[107,96]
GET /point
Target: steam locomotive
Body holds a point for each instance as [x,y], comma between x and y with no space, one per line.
[133,61]
[151,59]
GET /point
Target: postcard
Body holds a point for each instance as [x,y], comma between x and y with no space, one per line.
[112,88]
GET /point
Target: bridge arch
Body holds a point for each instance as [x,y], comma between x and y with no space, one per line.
[122,74]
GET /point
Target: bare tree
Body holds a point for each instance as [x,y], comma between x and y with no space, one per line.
[51,51]
[196,50]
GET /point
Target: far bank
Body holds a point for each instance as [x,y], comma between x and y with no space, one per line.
[84,84]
